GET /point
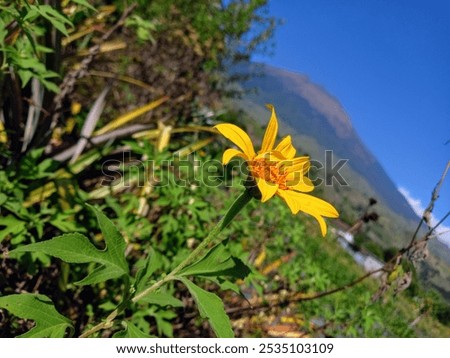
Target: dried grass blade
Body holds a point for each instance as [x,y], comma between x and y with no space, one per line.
[90,123]
[34,110]
[193,147]
[127,117]
[105,47]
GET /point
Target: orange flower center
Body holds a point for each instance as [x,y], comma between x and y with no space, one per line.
[269,171]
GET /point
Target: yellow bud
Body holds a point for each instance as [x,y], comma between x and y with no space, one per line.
[75,108]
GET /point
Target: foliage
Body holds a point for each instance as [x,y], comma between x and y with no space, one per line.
[22,23]
[160,245]
[105,215]
[39,308]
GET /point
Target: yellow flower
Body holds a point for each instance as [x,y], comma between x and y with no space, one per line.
[277,171]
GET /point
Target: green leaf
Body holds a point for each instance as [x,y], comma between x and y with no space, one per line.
[76,248]
[32,14]
[152,262]
[44,49]
[50,85]
[218,262]
[100,274]
[85,3]
[10,225]
[73,248]
[57,19]
[3,198]
[113,238]
[143,27]
[211,308]
[131,331]
[31,63]
[226,285]
[163,324]
[25,76]
[39,308]
[65,221]
[162,299]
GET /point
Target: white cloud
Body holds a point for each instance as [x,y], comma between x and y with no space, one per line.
[442,231]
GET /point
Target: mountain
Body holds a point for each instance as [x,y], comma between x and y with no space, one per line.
[310,110]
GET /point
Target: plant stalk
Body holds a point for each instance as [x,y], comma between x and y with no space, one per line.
[234,209]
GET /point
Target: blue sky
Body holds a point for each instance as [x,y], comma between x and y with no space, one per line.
[388,63]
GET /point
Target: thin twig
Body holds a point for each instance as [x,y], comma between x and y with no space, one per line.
[338,289]
[440,222]
[301,297]
[118,133]
[430,207]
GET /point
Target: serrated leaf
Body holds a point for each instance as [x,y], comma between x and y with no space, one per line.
[99,274]
[76,248]
[162,299]
[211,308]
[226,285]
[217,262]
[39,308]
[131,331]
[142,276]
[113,238]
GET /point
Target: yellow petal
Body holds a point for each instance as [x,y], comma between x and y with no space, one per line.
[272,156]
[238,137]
[300,164]
[267,189]
[322,224]
[299,182]
[310,205]
[230,154]
[286,148]
[290,201]
[271,132]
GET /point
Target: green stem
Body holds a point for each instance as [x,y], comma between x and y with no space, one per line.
[102,325]
[238,204]
[234,209]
